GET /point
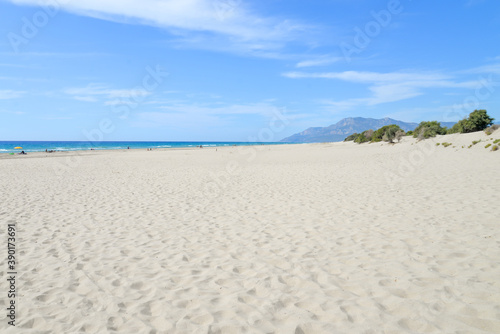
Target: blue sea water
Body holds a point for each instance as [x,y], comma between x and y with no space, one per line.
[41,146]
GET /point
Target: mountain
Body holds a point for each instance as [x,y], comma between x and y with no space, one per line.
[346,127]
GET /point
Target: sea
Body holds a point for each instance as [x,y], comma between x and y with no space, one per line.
[9,147]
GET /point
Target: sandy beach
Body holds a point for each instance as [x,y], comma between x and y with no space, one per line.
[311,238]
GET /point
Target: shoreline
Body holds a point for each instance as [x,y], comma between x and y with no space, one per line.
[459,139]
[160,149]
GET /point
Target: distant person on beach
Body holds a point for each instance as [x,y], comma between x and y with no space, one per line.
[22,152]
[128,148]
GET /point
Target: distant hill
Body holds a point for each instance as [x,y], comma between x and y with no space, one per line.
[346,127]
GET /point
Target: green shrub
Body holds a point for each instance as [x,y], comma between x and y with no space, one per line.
[446,144]
[364,137]
[409,133]
[399,135]
[437,144]
[487,146]
[494,148]
[387,133]
[368,134]
[478,120]
[428,129]
[476,141]
[496,141]
[361,139]
[352,137]
[492,129]
[391,134]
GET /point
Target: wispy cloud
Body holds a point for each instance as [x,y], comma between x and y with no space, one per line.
[355,76]
[85,98]
[386,87]
[55,54]
[12,112]
[24,79]
[198,115]
[263,109]
[10,94]
[194,20]
[52,118]
[379,94]
[319,61]
[99,92]
[486,69]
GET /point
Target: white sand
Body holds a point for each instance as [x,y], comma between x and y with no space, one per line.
[317,238]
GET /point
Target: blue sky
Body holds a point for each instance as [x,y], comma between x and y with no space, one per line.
[237,70]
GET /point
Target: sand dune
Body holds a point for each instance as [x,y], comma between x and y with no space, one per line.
[315,238]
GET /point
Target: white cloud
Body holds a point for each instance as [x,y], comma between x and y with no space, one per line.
[355,76]
[176,120]
[55,54]
[10,94]
[200,116]
[85,98]
[386,87]
[263,109]
[23,79]
[49,117]
[93,92]
[320,61]
[486,69]
[191,19]
[12,112]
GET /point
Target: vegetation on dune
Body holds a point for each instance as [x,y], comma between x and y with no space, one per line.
[429,129]
[362,137]
[400,134]
[478,120]
[487,146]
[387,133]
[494,148]
[352,137]
[492,129]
